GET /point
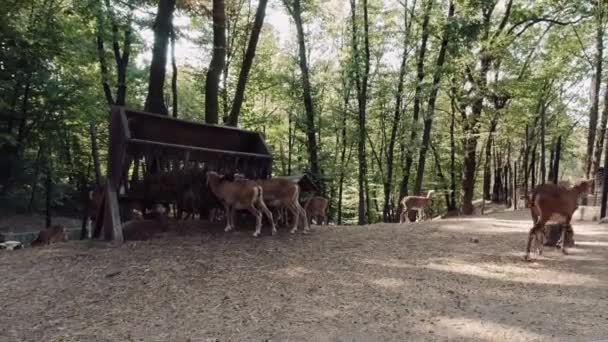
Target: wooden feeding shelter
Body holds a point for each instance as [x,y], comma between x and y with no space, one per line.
[163,142]
[308,187]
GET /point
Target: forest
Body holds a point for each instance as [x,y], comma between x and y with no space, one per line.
[374,99]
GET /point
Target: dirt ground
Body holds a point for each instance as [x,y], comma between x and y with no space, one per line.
[383,282]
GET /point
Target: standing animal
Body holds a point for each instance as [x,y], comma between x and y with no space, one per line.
[240,194]
[547,200]
[52,234]
[418,203]
[316,208]
[283,193]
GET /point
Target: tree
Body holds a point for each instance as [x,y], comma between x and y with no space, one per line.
[216,66]
[409,159]
[430,112]
[247,63]
[295,9]
[155,100]
[390,151]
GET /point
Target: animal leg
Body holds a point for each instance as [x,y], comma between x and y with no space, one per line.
[258,220]
[564,233]
[228,211]
[403,216]
[533,234]
[304,219]
[268,214]
[296,215]
[540,241]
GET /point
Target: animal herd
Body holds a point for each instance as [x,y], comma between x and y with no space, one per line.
[194,190]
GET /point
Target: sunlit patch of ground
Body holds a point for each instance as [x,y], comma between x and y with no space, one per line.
[460,279]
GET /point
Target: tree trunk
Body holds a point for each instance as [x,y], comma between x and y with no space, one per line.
[558,151]
[543,167]
[604,184]
[173,73]
[390,152]
[601,136]
[442,179]
[121,65]
[452,205]
[239,95]
[155,101]
[417,100]
[95,153]
[105,77]
[216,66]
[430,112]
[487,174]
[30,206]
[49,190]
[593,113]
[361,86]
[514,191]
[296,12]
[470,142]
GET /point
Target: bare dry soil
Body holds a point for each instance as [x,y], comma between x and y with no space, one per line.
[383,282]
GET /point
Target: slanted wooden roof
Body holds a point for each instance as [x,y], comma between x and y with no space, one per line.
[304,181]
[221,148]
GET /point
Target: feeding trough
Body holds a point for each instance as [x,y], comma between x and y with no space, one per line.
[161,143]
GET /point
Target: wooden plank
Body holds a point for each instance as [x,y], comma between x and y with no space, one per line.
[124,123]
[197,149]
[188,122]
[112,224]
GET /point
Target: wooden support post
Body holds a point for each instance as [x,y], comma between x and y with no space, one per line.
[111,221]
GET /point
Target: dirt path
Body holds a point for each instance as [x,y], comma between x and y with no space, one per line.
[374,283]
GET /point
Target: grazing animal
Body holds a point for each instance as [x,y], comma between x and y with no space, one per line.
[52,234]
[240,194]
[316,207]
[146,226]
[418,203]
[548,200]
[283,193]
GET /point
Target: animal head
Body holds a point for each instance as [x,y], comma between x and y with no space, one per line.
[211,176]
[430,193]
[584,186]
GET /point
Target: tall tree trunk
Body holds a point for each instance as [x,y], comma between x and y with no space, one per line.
[105,77]
[442,179]
[417,99]
[558,152]
[361,86]
[239,95]
[543,166]
[601,137]
[95,153]
[514,189]
[122,62]
[470,142]
[487,166]
[49,190]
[452,205]
[173,73]
[216,66]
[30,206]
[296,13]
[390,152]
[604,184]
[597,80]
[430,111]
[155,101]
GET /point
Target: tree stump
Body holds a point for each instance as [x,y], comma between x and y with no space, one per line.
[553,234]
